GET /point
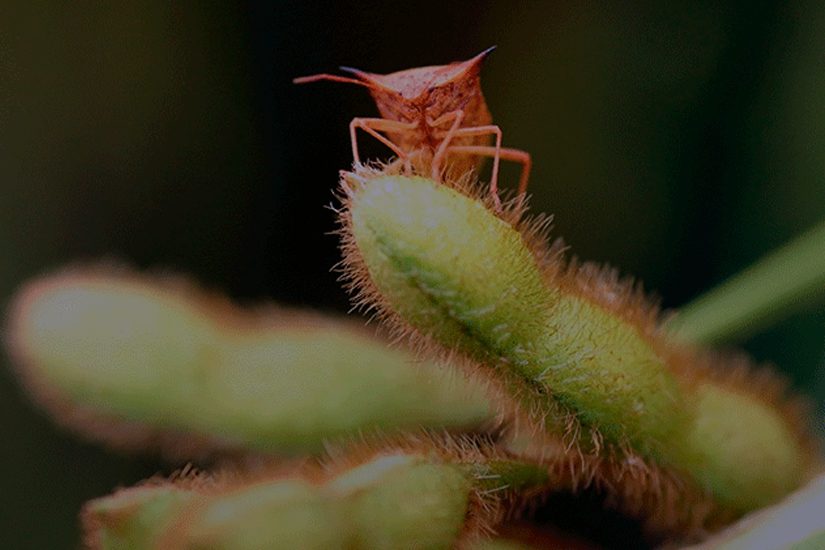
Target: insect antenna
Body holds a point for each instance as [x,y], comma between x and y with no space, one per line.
[333,78]
[357,72]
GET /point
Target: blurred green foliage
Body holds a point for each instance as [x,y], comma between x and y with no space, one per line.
[679,141]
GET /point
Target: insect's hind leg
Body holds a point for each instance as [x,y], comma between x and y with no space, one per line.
[374,125]
[490,129]
[516,155]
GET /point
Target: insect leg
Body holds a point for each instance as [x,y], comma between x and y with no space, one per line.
[516,155]
[372,126]
[480,131]
[441,152]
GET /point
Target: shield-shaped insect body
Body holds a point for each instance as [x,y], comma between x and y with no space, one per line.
[437,112]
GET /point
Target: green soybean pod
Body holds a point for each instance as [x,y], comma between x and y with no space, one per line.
[442,265]
[138,362]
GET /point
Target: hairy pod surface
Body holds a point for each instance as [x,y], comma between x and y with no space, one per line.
[133,519]
[397,498]
[439,264]
[129,360]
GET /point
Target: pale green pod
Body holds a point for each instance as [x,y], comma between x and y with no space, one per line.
[459,274]
[747,456]
[122,350]
[394,500]
[403,501]
[279,515]
[133,519]
[455,272]
[291,389]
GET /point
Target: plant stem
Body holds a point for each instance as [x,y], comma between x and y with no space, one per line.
[776,286]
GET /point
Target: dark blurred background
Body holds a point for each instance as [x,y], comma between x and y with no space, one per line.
[678,142]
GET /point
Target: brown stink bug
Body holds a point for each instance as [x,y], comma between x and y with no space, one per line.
[438,111]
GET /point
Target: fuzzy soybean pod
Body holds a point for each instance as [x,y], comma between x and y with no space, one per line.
[438,263]
[139,362]
[133,519]
[459,274]
[394,499]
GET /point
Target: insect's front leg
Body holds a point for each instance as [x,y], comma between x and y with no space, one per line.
[440,154]
[374,125]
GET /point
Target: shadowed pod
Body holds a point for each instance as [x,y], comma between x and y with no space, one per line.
[142,362]
[420,493]
[576,354]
